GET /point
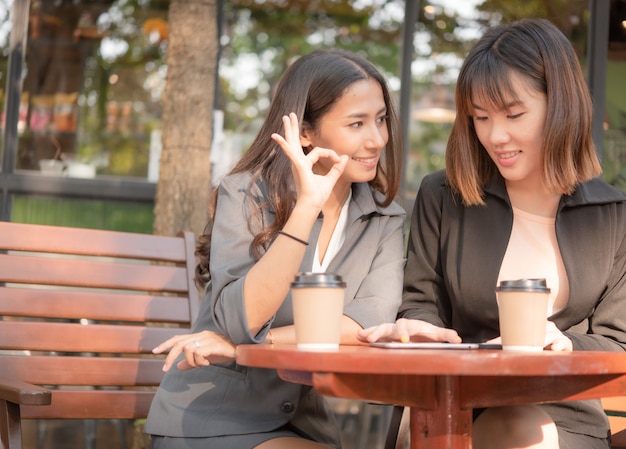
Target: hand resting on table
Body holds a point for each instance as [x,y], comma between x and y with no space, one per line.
[406,330]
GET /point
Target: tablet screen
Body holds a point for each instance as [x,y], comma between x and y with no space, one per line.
[431,345]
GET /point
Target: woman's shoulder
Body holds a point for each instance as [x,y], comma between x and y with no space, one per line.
[435,179]
[596,191]
[235,179]
[369,200]
[243,183]
[435,183]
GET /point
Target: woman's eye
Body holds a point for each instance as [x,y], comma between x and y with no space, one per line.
[480,118]
[383,119]
[514,116]
[356,124]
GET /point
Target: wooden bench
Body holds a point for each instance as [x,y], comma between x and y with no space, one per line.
[80,311]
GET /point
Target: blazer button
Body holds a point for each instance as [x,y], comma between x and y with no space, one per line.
[287,407]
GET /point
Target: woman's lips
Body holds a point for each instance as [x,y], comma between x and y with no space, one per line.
[507,159]
[367,161]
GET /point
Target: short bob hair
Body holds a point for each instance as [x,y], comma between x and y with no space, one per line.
[535,51]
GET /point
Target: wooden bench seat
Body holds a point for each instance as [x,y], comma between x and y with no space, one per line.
[80,311]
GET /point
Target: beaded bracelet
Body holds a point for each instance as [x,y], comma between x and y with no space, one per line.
[293,237]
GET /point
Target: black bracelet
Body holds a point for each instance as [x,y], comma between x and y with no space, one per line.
[293,237]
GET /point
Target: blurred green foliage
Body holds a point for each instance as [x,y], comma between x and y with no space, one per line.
[117,216]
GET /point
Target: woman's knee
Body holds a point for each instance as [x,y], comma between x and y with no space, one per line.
[290,443]
[515,427]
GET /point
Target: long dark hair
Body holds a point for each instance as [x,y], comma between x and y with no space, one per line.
[309,88]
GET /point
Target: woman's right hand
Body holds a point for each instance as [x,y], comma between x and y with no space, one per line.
[406,330]
[312,187]
[200,349]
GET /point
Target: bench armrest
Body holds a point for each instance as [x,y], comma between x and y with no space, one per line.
[23,393]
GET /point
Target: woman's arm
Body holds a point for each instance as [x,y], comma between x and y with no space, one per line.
[245,294]
[268,281]
[425,296]
[607,327]
[423,284]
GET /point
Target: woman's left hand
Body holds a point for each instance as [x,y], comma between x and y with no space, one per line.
[556,340]
[200,349]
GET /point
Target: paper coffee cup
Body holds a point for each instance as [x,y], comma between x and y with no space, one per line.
[317,300]
[523,313]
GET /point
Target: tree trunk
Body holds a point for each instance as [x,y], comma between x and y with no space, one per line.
[185,169]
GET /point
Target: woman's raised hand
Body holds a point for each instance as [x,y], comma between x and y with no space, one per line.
[311,186]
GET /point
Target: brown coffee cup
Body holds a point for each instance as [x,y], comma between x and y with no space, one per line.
[317,300]
[523,313]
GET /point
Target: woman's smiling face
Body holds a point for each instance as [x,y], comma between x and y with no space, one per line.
[356,126]
[513,135]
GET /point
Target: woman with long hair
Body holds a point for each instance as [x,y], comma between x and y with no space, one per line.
[315,192]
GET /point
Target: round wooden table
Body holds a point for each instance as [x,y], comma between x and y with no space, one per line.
[442,386]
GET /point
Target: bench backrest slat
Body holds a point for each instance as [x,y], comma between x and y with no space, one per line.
[76,337]
[97,404]
[29,302]
[90,371]
[91,274]
[91,242]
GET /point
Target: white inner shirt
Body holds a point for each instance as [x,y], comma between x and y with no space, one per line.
[533,252]
[336,240]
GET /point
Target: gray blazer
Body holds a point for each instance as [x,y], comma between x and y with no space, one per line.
[230,399]
[454,258]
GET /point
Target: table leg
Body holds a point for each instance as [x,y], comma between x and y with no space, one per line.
[446,427]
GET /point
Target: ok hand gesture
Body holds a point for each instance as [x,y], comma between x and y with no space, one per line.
[311,187]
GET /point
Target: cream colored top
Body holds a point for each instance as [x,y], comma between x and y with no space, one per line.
[533,252]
